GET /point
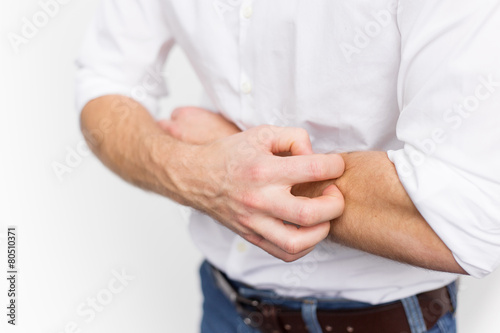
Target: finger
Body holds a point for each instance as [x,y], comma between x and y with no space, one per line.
[305,169]
[171,129]
[179,111]
[284,139]
[165,124]
[288,237]
[307,211]
[274,250]
[190,111]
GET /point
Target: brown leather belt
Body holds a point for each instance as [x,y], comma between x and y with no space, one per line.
[386,318]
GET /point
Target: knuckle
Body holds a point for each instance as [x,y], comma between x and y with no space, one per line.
[176,132]
[302,133]
[260,128]
[266,135]
[251,200]
[257,173]
[306,215]
[254,239]
[245,222]
[292,246]
[248,236]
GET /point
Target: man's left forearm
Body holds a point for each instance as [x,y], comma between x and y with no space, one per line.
[381,219]
[379,216]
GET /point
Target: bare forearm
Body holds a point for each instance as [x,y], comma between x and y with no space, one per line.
[126,138]
[219,178]
[380,218]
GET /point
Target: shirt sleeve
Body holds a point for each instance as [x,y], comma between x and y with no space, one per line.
[449,97]
[124,52]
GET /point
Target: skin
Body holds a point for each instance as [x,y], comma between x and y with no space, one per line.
[236,179]
[379,216]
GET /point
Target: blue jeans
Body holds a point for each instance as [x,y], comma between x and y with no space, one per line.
[220,315]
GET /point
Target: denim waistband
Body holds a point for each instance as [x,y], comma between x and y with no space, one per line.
[312,304]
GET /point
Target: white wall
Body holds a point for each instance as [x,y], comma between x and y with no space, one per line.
[74,233]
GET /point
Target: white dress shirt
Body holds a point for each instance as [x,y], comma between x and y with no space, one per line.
[419,79]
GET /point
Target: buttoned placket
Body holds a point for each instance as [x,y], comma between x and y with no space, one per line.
[246,85]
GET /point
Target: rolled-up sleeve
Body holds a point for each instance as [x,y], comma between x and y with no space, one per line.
[124,52]
[449,96]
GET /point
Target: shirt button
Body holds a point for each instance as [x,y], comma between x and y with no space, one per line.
[247,12]
[242,247]
[246,87]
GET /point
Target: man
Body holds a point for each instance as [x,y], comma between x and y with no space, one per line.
[370,238]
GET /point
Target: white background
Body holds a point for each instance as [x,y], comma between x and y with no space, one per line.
[75,232]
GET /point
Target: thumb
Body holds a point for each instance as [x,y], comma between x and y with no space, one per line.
[333,193]
[289,139]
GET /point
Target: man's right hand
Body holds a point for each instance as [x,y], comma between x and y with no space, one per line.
[241,183]
[236,179]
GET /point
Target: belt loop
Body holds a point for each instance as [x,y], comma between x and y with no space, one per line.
[309,315]
[414,314]
[452,291]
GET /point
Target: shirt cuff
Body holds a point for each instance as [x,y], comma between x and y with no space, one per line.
[456,205]
[90,85]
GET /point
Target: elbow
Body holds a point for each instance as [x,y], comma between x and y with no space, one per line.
[477,267]
[455,267]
